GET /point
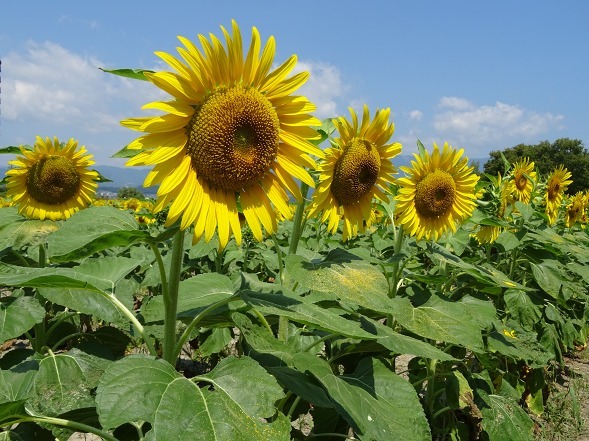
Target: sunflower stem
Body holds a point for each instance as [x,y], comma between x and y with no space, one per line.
[171,299]
[398,236]
[40,328]
[297,227]
[78,427]
[280,262]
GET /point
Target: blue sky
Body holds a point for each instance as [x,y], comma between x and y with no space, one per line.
[480,75]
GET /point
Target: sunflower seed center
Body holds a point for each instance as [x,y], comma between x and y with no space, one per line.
[53,180]
[355,172]
[435,194]
[233,138]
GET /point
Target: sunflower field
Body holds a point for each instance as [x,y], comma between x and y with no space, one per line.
[288,282]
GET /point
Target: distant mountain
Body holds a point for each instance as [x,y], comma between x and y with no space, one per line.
[122,176]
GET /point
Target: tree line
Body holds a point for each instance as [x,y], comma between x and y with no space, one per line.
[547,156]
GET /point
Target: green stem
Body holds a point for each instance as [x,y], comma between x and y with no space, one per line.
[219,262]
[131,317]
[441,411]
[63,317]
[21,258]
[69,337]
[279,255]
[399,236]
[196,320]
[40,330]
[321,340]
[297,227]
[513,263]
[263,320]
[294,405]
[161,267]
[81,427]
[431,385]
[171,300]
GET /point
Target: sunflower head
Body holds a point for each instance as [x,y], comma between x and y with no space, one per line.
[437,192]
[487,234]
[557,184]
[355,171]
[51,181]
[232,135]
[524,179]
[575,209]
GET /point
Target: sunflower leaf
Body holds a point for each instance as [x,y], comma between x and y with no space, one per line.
[136,74]
[92,230]
[18,315]
[126,153]
[10,150]
[375,401]
[141,388]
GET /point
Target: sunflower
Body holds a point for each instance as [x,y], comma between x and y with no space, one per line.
[232,136]
[557,184]
[524,178]
[437,193]
[355,171]
[575,209]
[51,181]
[487,234]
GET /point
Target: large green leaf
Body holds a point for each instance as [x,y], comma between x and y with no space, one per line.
[16,385]
[504,419]
[248,384]
[25,232]
[66,382]
[194,293]
[141,388]
[18,315]
[521,307]
[83,288]
[186,411]
[439,319]
[379,404]
[299,310]
[551,276]
[131,389]
[353,280]
[92,230]
[402,344]
[12,410]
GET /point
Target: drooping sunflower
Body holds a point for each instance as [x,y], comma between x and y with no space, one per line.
[355,171]
[437,193]
[575,209]
[232,136]
[51,181]
[524,178]
[557,184]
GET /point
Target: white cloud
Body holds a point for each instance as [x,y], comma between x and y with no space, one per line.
[323,87]
[466,123]
[416,115]
[47,83]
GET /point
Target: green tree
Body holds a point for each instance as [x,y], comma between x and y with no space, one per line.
[547,156]
[129,192]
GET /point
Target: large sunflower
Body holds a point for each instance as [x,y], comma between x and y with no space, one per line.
[557,184]
[231,132]
[355,170]
[51,181]
[524,178]
[437,193]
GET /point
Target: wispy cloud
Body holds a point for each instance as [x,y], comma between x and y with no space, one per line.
[466,123]
[50,84]
[324,87]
